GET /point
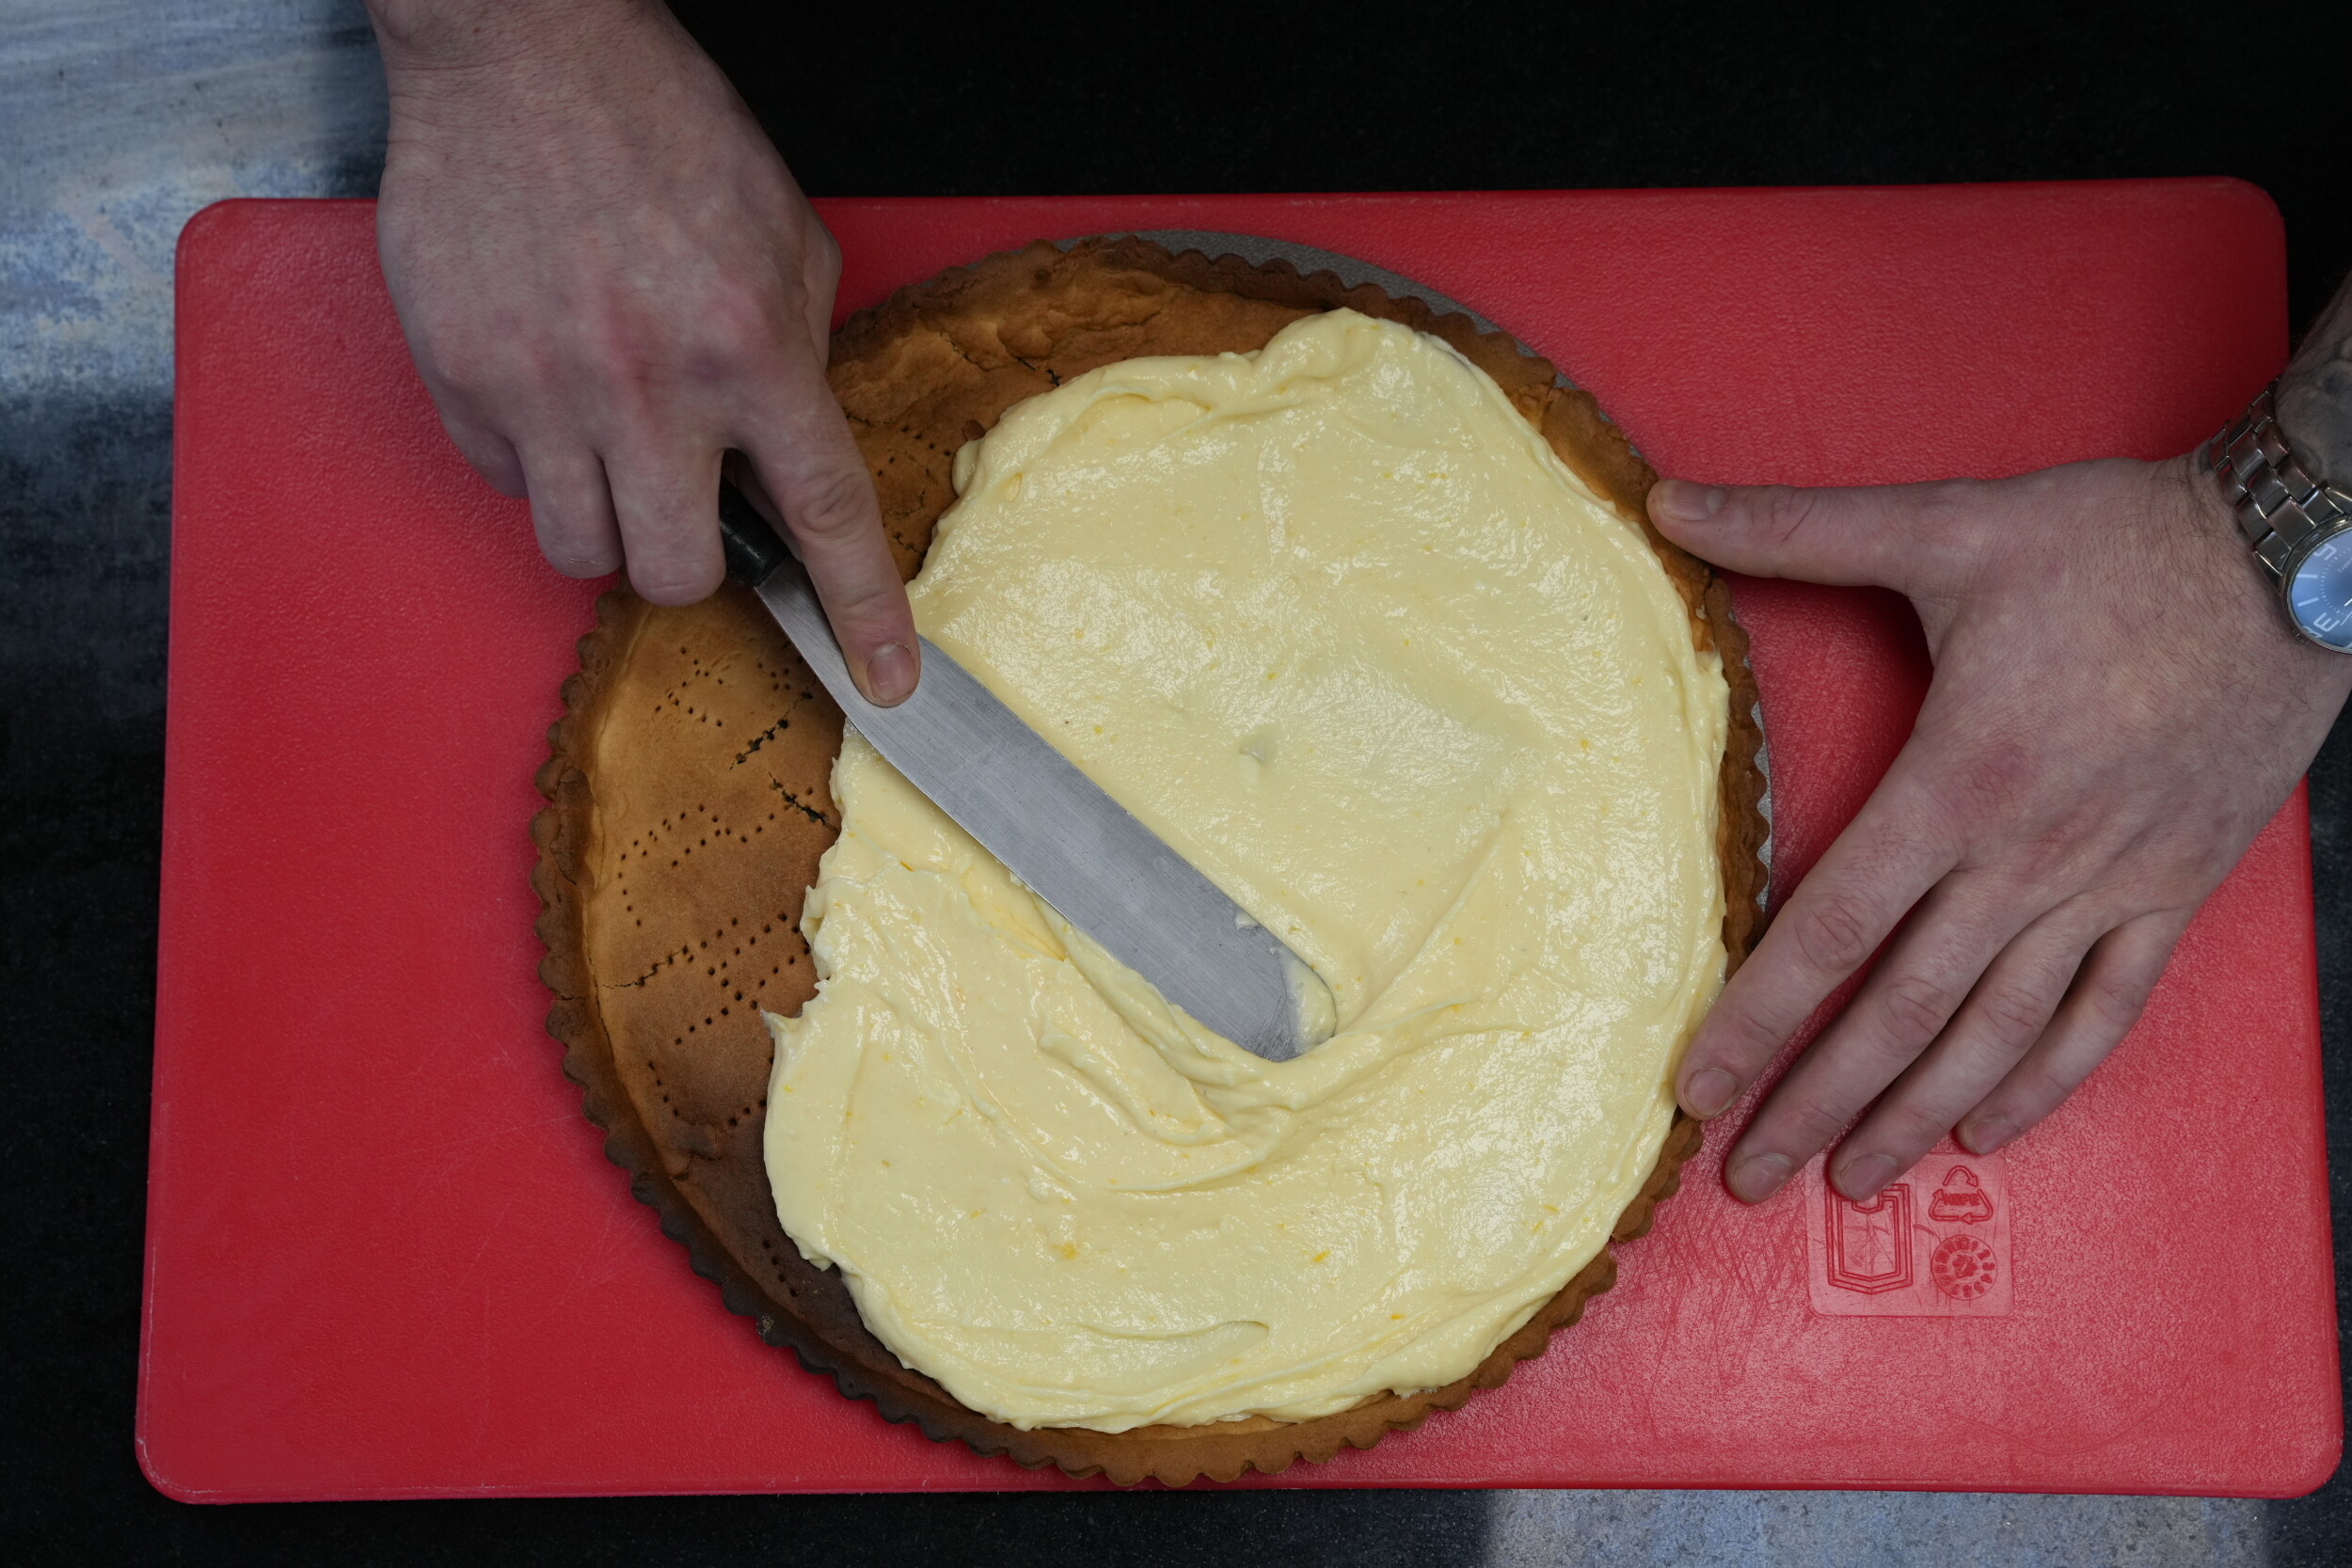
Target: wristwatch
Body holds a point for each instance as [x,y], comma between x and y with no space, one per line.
[2301,530]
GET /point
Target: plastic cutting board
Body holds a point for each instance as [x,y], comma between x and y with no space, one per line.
[385,1257]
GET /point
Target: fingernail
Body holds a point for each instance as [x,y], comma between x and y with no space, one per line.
[1862,1178]
[1983,1138]
[889,675]
[1709,1091]
[1687,502]
[1757,1177]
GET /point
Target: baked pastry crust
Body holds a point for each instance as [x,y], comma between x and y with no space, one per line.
[688,807]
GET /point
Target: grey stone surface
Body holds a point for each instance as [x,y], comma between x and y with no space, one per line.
[119,120]
[1863,1529]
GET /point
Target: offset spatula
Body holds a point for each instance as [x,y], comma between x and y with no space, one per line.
[1071,843]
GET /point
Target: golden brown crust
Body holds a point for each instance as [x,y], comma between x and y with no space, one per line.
[689,804]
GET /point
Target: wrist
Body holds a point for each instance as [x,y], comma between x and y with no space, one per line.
[2314,406]
[2314,396]
[2294,526]
[422,39]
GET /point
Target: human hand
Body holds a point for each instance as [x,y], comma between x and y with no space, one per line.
[2117,708]
[610,281]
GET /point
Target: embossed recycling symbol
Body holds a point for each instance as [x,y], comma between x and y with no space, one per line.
[1961,1199]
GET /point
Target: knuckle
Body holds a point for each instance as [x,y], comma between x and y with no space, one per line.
[738,335]
[490,456]
[465,370]
[1832,935]
[1748,1041]
[1782,511]
[2013,1017]
[455,358]
[622,352]
[2115,1002]
[741,316]
[492,387]
[1915,1005]
[832,505]
[824,251]
[821,263]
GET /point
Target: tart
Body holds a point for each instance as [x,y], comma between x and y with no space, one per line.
[689,803]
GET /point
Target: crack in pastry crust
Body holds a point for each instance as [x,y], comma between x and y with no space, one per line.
[689,804]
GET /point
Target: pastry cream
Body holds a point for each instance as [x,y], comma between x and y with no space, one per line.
[1338,626]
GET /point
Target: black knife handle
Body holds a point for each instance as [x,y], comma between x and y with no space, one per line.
[752,549]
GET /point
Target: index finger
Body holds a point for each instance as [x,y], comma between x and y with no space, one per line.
[1864,884]
[806,459]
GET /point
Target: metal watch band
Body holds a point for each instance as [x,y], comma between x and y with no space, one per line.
[2277,503]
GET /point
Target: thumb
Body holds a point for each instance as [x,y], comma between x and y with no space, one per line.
[1884,535]
[810,465]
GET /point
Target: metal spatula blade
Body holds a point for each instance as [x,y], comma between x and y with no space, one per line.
[1074,845]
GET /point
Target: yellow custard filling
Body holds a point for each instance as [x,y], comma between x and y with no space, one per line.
[1341,629]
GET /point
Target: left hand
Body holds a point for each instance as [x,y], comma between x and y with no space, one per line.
[2118,707]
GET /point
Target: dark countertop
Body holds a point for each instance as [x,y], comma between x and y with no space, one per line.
[120,119]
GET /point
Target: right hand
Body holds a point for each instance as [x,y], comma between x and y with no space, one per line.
[610,281]
[2117,708]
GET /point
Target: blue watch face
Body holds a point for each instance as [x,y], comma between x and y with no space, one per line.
[2319,594]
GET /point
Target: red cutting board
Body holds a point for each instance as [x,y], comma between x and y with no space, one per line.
[385,1257]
